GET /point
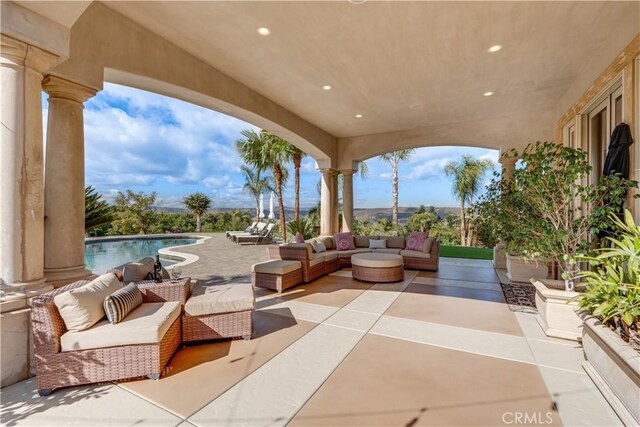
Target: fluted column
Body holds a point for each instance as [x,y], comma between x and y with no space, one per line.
[21,184]
[325,202]
[347,200]
[64,182]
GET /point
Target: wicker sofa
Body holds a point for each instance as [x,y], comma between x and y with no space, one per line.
[57,366]
[315,265]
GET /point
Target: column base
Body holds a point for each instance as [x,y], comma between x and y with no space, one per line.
[63,276]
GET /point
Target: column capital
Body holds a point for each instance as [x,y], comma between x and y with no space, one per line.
[508,161]
[26,55]
[57,87]
[327,171]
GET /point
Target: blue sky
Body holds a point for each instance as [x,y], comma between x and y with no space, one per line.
[147,142]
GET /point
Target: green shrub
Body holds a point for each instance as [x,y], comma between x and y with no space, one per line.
[613,282]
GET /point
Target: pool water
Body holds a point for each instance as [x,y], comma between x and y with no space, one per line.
[101,256]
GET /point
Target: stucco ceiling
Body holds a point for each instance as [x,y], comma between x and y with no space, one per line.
[62,12]
[383,57]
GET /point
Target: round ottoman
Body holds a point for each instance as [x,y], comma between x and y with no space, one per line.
[379,268]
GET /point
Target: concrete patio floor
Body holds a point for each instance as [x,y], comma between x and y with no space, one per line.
[436,349]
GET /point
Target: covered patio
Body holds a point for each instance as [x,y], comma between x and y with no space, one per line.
[342,81]
[437,349]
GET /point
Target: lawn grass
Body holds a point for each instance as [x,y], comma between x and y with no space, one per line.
[465,252]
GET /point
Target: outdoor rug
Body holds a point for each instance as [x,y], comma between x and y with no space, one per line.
[519,296]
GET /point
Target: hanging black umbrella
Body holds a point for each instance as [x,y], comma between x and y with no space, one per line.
[617,161]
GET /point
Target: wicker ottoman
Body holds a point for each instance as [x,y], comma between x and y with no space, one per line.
[219,311]
[277,275]
[377,267]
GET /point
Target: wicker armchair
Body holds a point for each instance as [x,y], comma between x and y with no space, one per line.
[55,368]
[431,263]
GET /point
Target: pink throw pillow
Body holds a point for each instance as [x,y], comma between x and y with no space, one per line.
[415,241]
[299,238]
[344,241]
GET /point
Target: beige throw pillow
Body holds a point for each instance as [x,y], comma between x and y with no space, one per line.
[136,271]
[82,307]
[428,244]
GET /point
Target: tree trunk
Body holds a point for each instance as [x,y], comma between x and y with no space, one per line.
[198,223]
[257,209]
[394,209]
[297,160]
[463,226]
[277,175]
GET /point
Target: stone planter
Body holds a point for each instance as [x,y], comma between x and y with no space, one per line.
[521,270]
[500,256]
[614,367]
[557,314]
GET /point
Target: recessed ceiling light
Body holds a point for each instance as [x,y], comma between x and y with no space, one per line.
[488,93]
[326,87]
[358,116]
[417,106]
[495,48]
[264,31]
[357,1]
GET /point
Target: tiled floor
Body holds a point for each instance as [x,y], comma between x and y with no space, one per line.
[437,349]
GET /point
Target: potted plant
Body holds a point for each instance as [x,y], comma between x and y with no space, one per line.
[562,218]
[610,307]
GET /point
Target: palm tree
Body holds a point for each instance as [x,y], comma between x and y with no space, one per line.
[255,184]
[97,212]
[394,158]
[297,161]
[198,204]
[467,176]
[268,151]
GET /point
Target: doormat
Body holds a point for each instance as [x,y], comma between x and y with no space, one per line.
[521,297]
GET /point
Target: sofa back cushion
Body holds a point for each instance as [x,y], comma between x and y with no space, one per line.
[378,244]
[344,241]
[361,241]
[415,241]
[82,307]
[395,242]
[428,244]
[327,242]
[122,302]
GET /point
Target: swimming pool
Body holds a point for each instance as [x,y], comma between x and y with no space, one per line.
[100,256]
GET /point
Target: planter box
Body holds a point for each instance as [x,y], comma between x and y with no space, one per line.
[614,367]
[519,270]
[556,312]
[500,256]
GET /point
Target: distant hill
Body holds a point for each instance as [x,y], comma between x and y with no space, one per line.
[364,214]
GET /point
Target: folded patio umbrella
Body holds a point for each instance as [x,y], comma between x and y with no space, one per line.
[617,161]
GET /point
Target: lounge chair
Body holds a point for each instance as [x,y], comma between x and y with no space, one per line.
[249,229]
[260,228]
[263,237]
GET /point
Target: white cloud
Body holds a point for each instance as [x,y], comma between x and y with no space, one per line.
[429,168]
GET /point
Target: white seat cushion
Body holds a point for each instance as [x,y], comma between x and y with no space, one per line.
[415,254]
[81,308]
[349,253]
[229,298]
[146,324]
[386,251]
[377,260]
[278,266]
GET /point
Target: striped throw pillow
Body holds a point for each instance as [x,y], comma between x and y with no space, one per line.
[122,302]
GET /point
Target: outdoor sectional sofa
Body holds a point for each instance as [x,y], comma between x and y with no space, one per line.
[142,343]
[313,265]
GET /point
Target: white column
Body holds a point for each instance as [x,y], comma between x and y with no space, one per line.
[325,202]
[21,185]
[64,182]
[508,167]
[21,200]
[347,200]
[335,209]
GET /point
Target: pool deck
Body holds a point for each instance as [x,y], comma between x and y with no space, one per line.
[436,349]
